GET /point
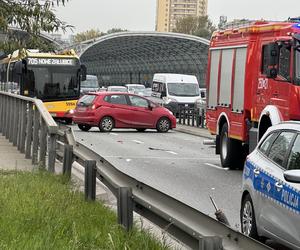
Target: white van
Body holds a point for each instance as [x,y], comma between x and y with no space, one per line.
[174,90]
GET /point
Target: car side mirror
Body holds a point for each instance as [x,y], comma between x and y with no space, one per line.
[292,175]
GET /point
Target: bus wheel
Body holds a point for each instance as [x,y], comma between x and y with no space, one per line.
[84,127]
[230,150]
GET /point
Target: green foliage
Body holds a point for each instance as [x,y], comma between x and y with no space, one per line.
[91,34]
[42,211]
[87,35]
[115,30]
[197,26]
[31,16]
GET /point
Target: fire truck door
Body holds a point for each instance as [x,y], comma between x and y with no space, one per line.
[281,85]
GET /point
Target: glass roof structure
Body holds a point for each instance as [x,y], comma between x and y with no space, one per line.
[133,57]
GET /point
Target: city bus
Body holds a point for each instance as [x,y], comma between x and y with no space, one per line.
[52,77]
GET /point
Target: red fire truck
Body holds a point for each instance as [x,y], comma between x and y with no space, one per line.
[253,82]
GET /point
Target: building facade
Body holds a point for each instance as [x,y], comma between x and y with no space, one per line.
[168,11]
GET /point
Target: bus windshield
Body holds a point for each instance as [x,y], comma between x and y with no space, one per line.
[183,89]
[52,83]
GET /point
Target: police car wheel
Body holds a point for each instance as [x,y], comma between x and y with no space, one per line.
[247,216]
[84,127]
[106,124]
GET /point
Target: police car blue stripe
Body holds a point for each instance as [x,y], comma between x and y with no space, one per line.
[265,184]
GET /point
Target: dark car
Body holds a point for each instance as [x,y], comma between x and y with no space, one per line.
[108,110]
[89,85]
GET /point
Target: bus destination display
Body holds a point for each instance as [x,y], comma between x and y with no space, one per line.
[51,61]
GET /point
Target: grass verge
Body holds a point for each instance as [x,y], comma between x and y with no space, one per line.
[42,211]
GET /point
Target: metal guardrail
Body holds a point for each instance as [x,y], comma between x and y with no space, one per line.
[28,125]
[192,227]
[191,116]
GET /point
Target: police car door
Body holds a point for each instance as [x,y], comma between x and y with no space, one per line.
[276,216]
[290,196]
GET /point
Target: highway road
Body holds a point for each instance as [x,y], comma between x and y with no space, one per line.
[175,163]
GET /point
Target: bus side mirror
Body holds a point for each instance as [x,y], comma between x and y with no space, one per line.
[18,67]
[272,59]
[83,72]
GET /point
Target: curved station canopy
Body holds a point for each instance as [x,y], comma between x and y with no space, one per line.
[133,57]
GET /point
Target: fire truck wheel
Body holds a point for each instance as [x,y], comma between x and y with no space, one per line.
[230,150]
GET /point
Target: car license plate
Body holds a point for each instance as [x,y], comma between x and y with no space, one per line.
[81,109]
[186,105]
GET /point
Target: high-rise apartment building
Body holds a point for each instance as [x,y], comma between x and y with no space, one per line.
[168,11]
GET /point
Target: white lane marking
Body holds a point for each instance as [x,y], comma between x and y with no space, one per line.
[171,152]
[128,160]
[113,133]
[138,142]
[216,166]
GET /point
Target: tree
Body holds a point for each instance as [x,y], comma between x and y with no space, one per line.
[91,34]
[200,26]
[115,30]
[87,35]
[31,16]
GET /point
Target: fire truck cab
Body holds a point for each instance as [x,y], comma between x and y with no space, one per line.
[253,82]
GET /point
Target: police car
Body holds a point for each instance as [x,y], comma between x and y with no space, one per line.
[270,205]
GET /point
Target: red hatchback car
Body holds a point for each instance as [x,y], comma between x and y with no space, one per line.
[108,110]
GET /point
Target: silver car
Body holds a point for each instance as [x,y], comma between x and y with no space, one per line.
[271,187]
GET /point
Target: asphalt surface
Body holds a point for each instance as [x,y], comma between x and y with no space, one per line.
[175,163]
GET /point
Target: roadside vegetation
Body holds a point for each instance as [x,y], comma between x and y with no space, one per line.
[42,211]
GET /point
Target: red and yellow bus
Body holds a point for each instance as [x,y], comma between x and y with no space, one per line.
[52,77]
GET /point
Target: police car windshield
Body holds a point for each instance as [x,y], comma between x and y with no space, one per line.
[183,89]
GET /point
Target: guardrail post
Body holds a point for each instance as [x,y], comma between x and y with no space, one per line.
[29,131]
[210,243]
[43,143]
[180,114]
[193,117]
[202,118]
[51,152]
[36,125]
[184,115]
[8,113]
[90,180]
[189,116]
[16,123]
[12,118]
[6,116]
[68,160]
[1,113]
[125,207]
[23,107]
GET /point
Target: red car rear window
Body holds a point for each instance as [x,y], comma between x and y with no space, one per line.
[86,100]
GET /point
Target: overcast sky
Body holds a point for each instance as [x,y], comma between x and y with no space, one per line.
[139,15]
